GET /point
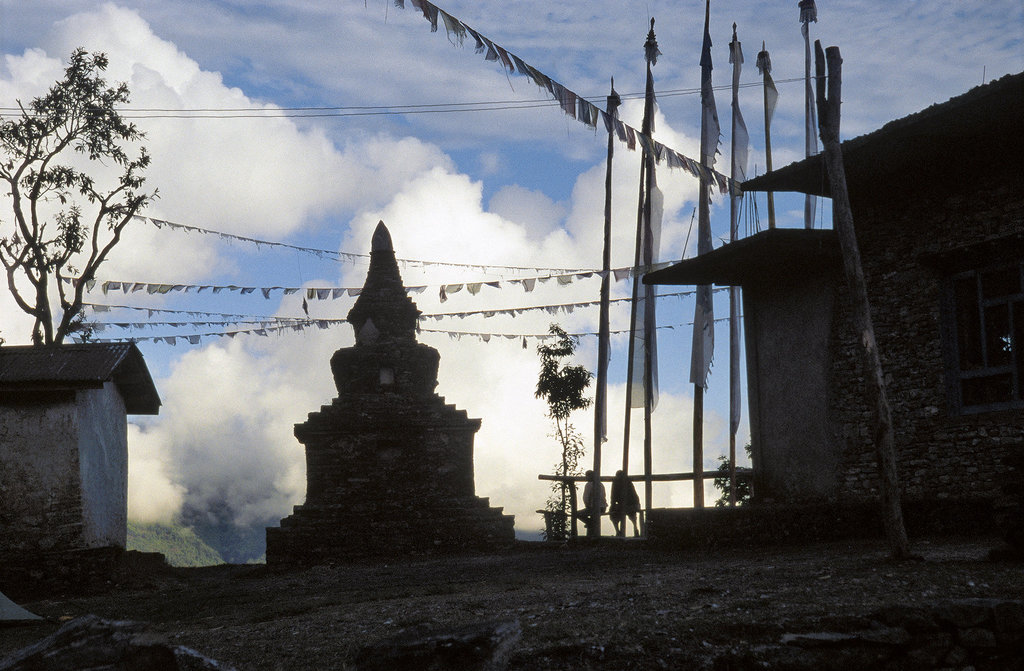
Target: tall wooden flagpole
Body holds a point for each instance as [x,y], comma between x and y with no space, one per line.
[651,54]
[603,344]
[738,171]
[703,318]
[808,13]
[771,96]
[633,305]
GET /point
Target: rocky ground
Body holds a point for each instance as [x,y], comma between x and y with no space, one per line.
[613,605]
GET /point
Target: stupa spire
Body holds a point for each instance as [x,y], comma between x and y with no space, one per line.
[383,309]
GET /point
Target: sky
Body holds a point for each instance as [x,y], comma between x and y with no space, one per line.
[303,123]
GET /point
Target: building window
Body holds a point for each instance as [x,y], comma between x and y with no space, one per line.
[988,310]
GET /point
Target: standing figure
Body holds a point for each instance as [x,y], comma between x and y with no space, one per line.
[625,503]
[595,502]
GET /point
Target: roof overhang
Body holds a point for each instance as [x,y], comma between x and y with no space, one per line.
[767,257]
[56,368]
[967,134]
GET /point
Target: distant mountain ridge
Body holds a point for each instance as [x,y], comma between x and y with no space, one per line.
[180,545]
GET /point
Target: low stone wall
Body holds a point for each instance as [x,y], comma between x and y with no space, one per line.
[72,571]
[757,525]
[975,634]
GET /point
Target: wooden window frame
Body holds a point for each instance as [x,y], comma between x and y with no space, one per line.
[952,341]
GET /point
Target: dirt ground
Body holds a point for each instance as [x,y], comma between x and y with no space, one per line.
[614,605]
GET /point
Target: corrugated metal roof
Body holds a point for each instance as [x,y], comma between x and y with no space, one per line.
[80,365]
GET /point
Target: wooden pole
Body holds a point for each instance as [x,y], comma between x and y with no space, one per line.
[808,13]
[885,451]
[703,246]
[631,353]
[650,325]
[766,73]
[603,344]
[736,171]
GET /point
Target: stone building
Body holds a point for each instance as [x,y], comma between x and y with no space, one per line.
[389,465]
[938,206]
[64,447]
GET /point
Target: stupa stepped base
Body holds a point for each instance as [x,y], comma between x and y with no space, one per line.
[324,533]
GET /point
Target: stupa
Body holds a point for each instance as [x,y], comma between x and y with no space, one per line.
[389,465]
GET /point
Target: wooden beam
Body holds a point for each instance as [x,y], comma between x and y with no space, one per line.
[884,439]
[655,477]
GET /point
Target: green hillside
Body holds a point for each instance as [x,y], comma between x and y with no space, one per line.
[179,544]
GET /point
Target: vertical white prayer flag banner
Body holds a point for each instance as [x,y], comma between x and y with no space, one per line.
[740,151]
[771,97]
[704,314]
[710,128]
[646,323]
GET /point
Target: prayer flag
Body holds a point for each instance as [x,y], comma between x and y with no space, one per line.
[703,343]
[764,67]
[740,149]
[710,128]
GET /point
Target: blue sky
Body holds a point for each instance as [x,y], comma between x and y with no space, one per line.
[518,186]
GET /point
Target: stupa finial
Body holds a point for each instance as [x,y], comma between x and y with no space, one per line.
[381,241]
[383,309]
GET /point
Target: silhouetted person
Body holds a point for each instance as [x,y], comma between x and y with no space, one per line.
[594,501]
[625,503]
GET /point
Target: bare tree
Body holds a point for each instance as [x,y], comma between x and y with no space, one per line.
[63,223]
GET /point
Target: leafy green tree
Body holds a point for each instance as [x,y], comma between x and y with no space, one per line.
[562,387]
[744,491]
[62,221]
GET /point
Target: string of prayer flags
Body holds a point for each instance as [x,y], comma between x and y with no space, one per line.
[265,331]
[334,293]
[351,257]
[203,319]
[572,104]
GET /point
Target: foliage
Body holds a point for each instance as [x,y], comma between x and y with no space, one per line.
[178,544]
[744,491]
[63,222]
[558,506]
[562,387]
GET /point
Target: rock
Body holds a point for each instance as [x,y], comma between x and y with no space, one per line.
[818,639]
[976,637]
[474,647]
[94,644]
[965,613]
[1009,618]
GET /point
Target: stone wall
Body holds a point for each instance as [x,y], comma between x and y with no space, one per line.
[762,524]
[977,634]
[941,454]
[40,494]
[63,486]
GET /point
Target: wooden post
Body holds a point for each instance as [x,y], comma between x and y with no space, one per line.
[707,157]
[766,75]
[698,446]
[650,325]
[885,452]
[603,345]
[631,350]
[573,509]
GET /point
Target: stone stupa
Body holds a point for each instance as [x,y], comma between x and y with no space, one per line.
[389,465]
